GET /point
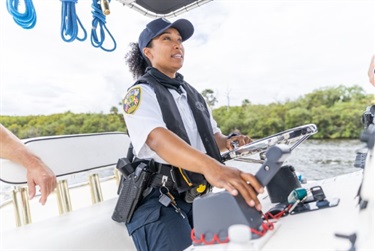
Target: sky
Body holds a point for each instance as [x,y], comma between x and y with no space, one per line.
[261,50]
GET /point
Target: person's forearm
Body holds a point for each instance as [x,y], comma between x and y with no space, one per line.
[371,73]
[13,149]
[221,141]
[178,153]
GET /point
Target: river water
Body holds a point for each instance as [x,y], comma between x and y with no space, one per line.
[319,159]
[313,159]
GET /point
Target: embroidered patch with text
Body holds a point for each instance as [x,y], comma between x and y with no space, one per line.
[132,100]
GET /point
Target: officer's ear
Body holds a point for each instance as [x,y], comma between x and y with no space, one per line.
[147,52]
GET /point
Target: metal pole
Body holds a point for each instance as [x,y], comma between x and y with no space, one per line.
[63,197]
[21,206]
[96,190]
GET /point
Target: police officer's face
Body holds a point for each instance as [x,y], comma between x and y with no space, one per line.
[166,52]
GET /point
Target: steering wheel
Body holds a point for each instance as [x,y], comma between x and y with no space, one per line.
[291,137]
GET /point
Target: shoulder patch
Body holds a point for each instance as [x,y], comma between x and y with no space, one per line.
[132,100]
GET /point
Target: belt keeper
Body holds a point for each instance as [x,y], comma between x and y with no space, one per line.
[164,180]
[157,181]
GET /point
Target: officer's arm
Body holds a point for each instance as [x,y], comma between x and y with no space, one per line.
[222,142]
[178,153]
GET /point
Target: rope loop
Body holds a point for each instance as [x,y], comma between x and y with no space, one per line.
[27,19]
[99,20]
[70,22]
[202,240]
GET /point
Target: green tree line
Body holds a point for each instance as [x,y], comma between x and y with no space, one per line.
[336,111]
[63,123]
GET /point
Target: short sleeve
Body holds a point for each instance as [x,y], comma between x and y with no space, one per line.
[215,128]
[142,114]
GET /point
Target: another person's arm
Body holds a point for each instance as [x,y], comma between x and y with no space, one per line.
[38,173]
[371,71]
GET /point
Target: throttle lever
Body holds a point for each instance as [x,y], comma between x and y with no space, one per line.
[275,157]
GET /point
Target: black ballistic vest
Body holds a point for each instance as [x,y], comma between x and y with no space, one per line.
[173,120]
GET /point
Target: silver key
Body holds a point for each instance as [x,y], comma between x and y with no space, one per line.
[166,199]
[177,209]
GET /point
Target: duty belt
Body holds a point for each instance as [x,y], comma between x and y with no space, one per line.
[162,176]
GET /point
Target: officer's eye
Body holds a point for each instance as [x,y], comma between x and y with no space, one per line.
[167,38]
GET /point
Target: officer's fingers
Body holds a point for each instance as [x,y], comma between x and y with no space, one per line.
[253,181]
[249,195]
[231,189]
[241,139]
[245,140]
[248,140]
[229,145]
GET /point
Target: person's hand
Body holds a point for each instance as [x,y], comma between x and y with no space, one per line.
[237,140]
[236,181]
[371,71]
[38,174]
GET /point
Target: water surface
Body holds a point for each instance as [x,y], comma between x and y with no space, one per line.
[319,159]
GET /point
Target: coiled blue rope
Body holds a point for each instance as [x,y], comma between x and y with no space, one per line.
[99,19]
[26,20]
[70,22]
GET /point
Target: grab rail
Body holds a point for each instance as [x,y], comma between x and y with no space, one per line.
[291,137]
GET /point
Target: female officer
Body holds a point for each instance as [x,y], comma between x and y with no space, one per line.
[168,121]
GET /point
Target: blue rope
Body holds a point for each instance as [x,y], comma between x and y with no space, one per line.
[26,20]
[99,19]
[69,20]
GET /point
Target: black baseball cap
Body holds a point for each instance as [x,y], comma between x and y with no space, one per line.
[158,26]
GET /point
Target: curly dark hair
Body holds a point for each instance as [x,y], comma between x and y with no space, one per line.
[135,60]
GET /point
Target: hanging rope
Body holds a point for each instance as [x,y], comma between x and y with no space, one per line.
[26,20]
[70,22]
[99,20]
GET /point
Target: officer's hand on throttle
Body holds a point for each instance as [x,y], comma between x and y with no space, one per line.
[236,181]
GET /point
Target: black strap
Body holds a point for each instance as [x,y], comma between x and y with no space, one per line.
[163,170]
[130,154]
[168,106]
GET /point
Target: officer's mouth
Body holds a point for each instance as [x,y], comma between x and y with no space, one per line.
[178,56]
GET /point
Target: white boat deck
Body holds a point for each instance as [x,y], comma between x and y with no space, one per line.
[91,227]
[87,227]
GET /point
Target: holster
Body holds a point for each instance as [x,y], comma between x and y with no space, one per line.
[131,191]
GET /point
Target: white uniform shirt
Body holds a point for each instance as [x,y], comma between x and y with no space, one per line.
[148,116]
